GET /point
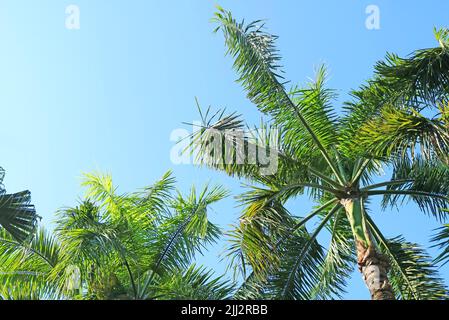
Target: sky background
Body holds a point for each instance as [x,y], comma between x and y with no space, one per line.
[107,96]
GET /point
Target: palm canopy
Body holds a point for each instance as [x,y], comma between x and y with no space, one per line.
[118,246]
[403,111]
[17,214]
[272,246]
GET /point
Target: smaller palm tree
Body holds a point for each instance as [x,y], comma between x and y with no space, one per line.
[118,246]
[17,214]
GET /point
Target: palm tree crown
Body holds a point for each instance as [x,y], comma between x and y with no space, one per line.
[118,246]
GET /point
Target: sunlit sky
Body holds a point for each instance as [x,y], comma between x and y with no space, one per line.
[106,97]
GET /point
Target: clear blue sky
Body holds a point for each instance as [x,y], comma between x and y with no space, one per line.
[106,97]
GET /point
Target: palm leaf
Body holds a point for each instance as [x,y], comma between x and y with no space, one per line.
[339,260]
[194,283]
[441,240]
[257,63]
[428,186]
[25,267]
[412,274]
[17,214]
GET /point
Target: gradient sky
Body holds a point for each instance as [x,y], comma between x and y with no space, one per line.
[106,97]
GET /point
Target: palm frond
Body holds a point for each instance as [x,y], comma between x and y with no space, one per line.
[339,260]
[100,188]
[156,196]
[27,286]
[90,241]
[252,288]
[285,259]
[301,260]
[412,275]
[441,240]
[314,103]
[194,283]
[429,187]
[257,62]
[254,241]
[17,214]
[405,133]
[184,234]
[421,76]
[386,113]
[225,143]
[25,267]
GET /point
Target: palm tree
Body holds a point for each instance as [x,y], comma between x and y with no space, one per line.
[17,215]
[118,246]
[272,247]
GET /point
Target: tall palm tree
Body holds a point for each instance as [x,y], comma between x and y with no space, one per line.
[271,246]
[17,214]
[118,246]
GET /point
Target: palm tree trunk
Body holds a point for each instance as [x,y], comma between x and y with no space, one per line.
[374,267]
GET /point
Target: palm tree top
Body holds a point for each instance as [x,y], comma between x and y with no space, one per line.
[138,245]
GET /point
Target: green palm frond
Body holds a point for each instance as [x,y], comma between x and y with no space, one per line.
[314,103]
[423,282]
[194,283]
[403,132]
[25,267]
[412,275]
[238,152]
[256,243]
[254,240]
[181,236]
[17,214]
[387,114]
[408,85]
[155,197]
[27,286]
[441,240]
[366,104]
[39,254]
[296,274]
[86,233]
[339,260]
[100,188]
[284,258]
[421,76]
[90,241]
[257,62]
[252,288]
[442,36]
[299,270]
[428,186]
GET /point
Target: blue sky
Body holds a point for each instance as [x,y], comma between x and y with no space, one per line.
[107,96]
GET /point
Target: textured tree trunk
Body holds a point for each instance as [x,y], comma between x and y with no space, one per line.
[374,267]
